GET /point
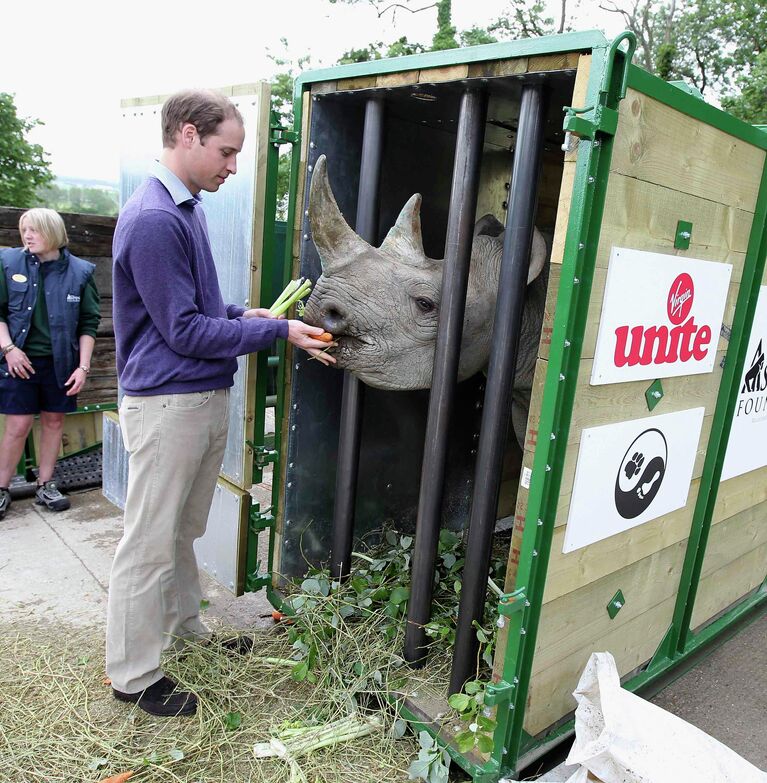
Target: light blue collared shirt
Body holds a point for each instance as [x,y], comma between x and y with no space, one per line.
[179,192]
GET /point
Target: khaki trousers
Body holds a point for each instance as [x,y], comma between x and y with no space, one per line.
[176,443]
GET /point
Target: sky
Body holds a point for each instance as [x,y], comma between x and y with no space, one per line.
[70,63]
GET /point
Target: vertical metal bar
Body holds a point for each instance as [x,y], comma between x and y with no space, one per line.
[512,287]
[463,207]
[353,390]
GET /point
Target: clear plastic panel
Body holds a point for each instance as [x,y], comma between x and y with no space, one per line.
[230,220]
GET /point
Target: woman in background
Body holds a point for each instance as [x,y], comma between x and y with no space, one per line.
[49,314]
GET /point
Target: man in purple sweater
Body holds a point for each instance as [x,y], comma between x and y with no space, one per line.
[177,345]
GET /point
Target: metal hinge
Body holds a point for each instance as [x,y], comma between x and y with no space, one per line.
[600,118]
[278,135]
[258,522]
[262,455]
[510,603]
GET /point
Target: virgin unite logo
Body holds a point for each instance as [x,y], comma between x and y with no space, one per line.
[661,343]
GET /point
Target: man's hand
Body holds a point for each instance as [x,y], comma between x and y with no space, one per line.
[259,312]
[300,334]
[19,365]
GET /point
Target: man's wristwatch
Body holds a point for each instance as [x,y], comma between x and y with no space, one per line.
[85,369]
[7,348]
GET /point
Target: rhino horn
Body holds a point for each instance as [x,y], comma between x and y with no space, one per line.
[335,240]
[404,240]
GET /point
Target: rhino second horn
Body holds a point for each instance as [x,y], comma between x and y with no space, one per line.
[404,240]
[335,240]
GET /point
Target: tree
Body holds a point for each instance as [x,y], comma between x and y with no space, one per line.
[23,167]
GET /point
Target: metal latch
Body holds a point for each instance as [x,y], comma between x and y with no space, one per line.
[262,455]
[498,692]
[510,603]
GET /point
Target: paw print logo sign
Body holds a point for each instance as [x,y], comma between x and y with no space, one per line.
[641,473]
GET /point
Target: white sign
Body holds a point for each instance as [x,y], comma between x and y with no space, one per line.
[747,446]
[631,472]
[661,316]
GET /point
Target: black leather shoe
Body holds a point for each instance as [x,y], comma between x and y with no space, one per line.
[162,699]
[240,645]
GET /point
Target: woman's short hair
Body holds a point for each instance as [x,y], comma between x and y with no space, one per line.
[48,223]
[205,109]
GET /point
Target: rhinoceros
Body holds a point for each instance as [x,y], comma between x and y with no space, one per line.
[382,304]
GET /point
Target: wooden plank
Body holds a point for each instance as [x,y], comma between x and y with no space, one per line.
[79,433]
[571,571]
[322,88]
[727,585]
[632,644]
[356,83]
[494,68]
[659,144]
[446,73]
[398,79]
[740,493]
[554,62]
[580,617]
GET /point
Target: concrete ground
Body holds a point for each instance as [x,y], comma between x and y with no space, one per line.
[54,572]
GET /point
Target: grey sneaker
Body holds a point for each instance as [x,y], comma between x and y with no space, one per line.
[49,496]
[5,502]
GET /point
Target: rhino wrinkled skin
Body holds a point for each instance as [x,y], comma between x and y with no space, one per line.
[382,304]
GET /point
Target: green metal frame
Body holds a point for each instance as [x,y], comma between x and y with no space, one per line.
[595,124]
[678,646]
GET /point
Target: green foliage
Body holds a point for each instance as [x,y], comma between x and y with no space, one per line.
[522,19]
[79,198]
[480,726]
[432,764]
[23,167]
[750,104]
[444,38]
[476,36]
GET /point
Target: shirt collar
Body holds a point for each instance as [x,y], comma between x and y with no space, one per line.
[177,189]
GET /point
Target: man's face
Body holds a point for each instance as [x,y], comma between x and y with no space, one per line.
[213,159]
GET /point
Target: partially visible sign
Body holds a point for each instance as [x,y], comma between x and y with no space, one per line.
[631,472]
[661,316]
[747,446]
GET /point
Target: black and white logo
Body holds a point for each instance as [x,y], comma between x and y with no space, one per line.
[755,379]
[641,473]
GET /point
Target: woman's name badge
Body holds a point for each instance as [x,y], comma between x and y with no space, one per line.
[19,278]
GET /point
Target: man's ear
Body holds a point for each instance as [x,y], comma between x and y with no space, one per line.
[187,134]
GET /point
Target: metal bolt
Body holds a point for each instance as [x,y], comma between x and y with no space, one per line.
[306,236]
[297,366]
[576,281]
[535,551]
[290,484]
[293,428]
[618,605]
[310,167]
[656,394]
[312,145]
[291,464]
[581,245]
[548,468]
[685,234]
[567,343]
[591,180]
[596,142]
[561,377]
[522,631]
[552,436]
[540,523]
[295,406]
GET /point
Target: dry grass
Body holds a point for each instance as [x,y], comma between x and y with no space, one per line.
[60,724]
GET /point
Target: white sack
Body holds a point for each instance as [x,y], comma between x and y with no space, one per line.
[621,738]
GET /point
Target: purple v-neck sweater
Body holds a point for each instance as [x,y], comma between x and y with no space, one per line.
[173,333]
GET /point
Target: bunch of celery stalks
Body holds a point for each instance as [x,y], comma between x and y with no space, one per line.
[293,294]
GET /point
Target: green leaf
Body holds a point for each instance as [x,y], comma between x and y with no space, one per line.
[405,542]
[311,586]
[485,723]
[399,728]
[449,559]
[299,672]
[204,604]
[399,595]
[232,721]
[472,687]
[485,743]
[391,537]
[459,702]
[465,741]
[176,754]
[418,770]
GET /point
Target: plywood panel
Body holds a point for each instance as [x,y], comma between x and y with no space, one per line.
[498,68]
[739,493]
[656,143]
[580,617]
[447,73]
[554,62]
[632,644]
[724,587]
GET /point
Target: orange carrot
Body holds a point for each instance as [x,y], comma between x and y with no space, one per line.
[121,778]
[326,337]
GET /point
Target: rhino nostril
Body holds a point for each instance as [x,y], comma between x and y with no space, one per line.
[333,318]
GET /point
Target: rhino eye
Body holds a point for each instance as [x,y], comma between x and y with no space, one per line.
[425,305]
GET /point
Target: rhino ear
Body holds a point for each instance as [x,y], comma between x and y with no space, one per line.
[404,239]
[489,225]
[336,242]
[538,254]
